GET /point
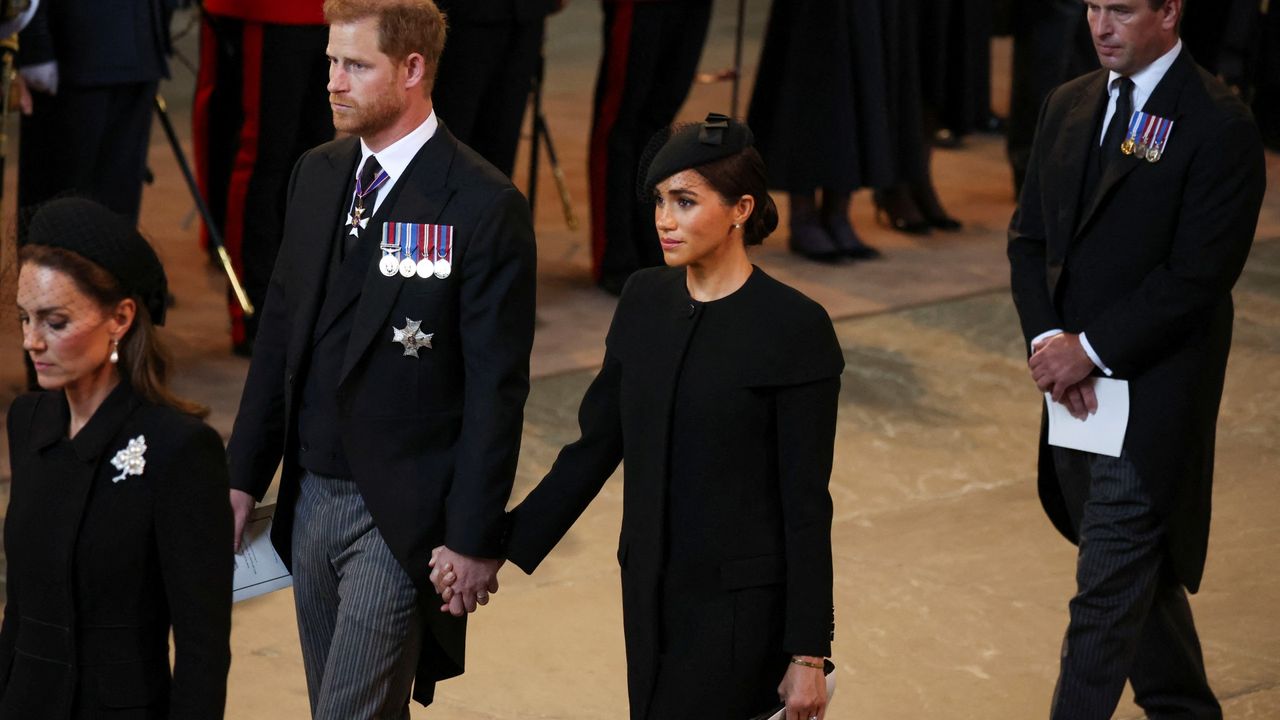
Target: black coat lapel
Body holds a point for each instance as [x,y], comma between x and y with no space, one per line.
[1162,103]
[311,268]
[420,197]
[1075,151]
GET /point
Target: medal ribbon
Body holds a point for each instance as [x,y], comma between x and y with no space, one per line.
[1162,135]
[444,244]
[1134,120]
[413,244]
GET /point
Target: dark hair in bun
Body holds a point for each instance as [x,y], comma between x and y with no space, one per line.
[743,173]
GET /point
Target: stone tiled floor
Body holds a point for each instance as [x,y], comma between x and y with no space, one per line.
[951,586]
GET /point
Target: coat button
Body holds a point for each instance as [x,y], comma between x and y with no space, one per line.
[692,309]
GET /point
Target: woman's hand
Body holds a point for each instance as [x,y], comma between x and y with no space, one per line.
[804,690]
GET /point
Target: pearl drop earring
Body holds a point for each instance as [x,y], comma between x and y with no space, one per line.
[115,351]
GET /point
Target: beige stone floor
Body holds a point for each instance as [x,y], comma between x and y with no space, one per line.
[951,586]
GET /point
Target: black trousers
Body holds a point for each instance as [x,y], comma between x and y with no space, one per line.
[1129,618]
[651,52]
[260,102]
[87,141]
[483,85]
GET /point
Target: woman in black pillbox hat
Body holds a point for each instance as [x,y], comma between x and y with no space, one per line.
[118,529]
[719,390]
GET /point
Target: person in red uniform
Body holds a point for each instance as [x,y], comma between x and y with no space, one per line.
[260,102]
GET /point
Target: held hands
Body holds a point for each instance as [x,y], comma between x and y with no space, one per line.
[1060,367]
[464,582]
[804,690]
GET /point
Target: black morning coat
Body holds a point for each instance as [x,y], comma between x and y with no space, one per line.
[1144,266]
[768,519]
[102,565]
[431,441]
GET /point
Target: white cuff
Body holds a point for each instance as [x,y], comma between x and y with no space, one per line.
[42,77]
[1088,350]
[1044,336]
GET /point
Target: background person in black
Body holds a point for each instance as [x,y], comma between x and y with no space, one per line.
[387,453]
[1123,266]
[92,70]
[486,72]
[651,51]
[719,390]
[259,104]
[106,556]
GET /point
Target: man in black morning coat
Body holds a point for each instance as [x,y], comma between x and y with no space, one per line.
[395,401]
[1123,266]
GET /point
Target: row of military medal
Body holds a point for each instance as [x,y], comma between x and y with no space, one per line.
[1147,136]
[416,249]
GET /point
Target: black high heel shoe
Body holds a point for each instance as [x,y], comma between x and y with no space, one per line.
[810,241]
[847,241]
[896,210]
[930,207]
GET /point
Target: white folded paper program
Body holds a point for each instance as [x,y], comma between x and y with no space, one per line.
[259,569]
[1101,433]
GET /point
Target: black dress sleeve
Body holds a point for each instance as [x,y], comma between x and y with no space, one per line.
[193,540]
[581,469]
[806,443]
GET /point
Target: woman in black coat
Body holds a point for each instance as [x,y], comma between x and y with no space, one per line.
[719,389]
[118,528]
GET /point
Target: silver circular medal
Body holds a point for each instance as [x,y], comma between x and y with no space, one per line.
[388,265]
[425,268]
[408,268]
[442,268]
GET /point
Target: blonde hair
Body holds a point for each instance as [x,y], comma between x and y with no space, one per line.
[404,27]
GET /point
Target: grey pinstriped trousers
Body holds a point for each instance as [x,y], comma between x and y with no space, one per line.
[1130,619]
[358,615]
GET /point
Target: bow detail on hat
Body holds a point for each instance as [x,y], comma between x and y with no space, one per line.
[713,129]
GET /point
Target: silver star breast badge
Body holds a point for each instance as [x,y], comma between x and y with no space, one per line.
[411,337]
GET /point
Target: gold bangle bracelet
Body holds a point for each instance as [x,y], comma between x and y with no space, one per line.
[806,663]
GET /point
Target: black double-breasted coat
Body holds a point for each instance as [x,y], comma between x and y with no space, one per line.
[432,440]
[725,492]
[1143,264]
[102,564]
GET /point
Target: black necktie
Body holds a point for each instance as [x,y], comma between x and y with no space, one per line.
[1119,126]
[365,196]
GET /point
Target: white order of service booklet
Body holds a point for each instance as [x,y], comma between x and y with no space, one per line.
[259,569]
[1101,432]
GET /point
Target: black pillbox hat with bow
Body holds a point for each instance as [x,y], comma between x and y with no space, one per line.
[694,145]
[106,239]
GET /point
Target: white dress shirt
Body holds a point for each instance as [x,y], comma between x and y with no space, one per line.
[395,158]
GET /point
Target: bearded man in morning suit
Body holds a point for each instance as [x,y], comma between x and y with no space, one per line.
[390,371]
[1123,257]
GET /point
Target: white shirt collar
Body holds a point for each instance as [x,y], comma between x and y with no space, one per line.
[1146,79]
[395,157]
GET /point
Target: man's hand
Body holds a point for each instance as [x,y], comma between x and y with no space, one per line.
[1081,400]
[464,582]
[241,505]
[1058,363]
[804,691]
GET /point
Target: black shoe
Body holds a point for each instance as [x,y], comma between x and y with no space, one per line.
[809,240]
[895,209]
[930,207]
[847,241]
